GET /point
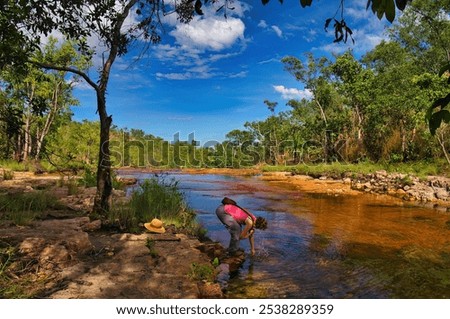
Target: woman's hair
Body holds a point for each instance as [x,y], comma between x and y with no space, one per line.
[228,201]
[261,223]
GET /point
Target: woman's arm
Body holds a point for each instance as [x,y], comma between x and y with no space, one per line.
[248,232]
[248,229]
[252,242]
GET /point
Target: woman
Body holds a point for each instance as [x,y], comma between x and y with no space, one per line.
[234,217]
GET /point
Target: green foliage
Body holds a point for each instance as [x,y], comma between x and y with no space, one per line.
[155,198]
[7,288]
[8,175]
[201,272]
[420,169]
[150,244]
[22,208]
[89,178]
[14,165]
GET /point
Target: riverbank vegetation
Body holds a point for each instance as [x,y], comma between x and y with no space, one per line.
[158,197]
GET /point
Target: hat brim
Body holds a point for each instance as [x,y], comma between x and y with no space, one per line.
[149,227]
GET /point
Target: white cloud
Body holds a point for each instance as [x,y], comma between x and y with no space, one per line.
[263,24]
[183,75]
[278,31]
[292,93]
[209,34]
[269,61]
[180,118]
[273,28]
[204,41]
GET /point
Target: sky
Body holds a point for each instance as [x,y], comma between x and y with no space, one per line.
[211,76]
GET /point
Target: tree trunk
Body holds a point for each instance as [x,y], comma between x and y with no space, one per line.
[27,139]
[102,201]
[40,136]
[440,138]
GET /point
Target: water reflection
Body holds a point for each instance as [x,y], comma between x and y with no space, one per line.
[322,246]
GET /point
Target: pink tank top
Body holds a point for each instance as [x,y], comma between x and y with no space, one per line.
[238,214]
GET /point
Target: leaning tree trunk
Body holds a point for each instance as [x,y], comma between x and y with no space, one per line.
[102,201]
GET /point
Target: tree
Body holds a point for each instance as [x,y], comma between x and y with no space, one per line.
[424,30]
[315,76]
[41,98]
[104,19]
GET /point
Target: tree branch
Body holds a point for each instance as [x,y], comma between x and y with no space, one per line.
[66,69]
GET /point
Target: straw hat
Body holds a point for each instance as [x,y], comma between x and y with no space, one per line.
[155,226]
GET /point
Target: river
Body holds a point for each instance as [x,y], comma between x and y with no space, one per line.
[327,246]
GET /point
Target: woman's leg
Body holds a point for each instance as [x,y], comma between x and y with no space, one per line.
[233,227]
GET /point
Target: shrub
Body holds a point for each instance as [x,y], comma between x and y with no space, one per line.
[8,174]
[156,198]
[200,272]
[150,244]
[89,178]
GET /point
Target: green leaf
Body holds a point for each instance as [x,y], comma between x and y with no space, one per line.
[442,102]
[305,3]
[436,119]
[390,10]
[434,123]
[198,7]
[327,23]
[401,4]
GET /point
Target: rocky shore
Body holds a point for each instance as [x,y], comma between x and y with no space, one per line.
[432,191]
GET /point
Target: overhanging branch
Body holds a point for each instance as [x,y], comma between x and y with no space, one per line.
[66,69]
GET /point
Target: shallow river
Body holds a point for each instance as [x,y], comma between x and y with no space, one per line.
[326,246]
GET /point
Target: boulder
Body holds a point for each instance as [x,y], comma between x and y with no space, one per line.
[53,255]
[32,245]
[92,226]
[441,194]
[209,290]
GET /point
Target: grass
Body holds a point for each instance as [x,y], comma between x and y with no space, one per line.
[160,198]
[26,166]
[419,169]
[8,174]
[22,208]
[201,272]
[150,244]
[14,165]
[19,278]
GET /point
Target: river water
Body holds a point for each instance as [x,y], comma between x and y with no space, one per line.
[327,246]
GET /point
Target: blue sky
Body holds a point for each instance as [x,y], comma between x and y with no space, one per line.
[212,76]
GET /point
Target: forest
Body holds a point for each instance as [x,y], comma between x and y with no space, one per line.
[386,107]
